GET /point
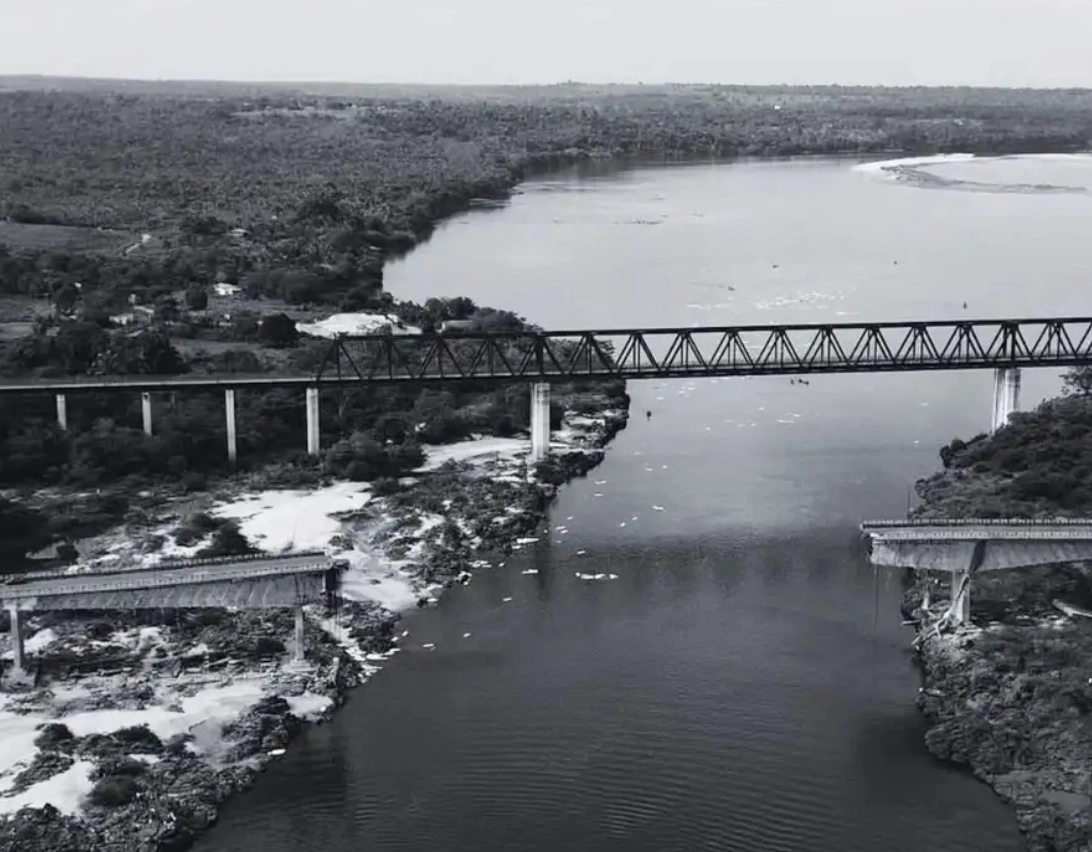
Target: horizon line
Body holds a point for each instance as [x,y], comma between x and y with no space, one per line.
[539,85]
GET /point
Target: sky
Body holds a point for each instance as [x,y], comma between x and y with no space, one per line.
[893,42]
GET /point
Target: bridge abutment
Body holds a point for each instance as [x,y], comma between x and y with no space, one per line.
[229,413]
[1006,396]
[540,420]
[146,411]
[62,411]
[313,421]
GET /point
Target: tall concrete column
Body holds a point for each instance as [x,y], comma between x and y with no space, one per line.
[312,421]
[17,651]
[961,602]
[540,420]
[62,411]
[300,649]
[229,412]
[1006,396]
[146,411]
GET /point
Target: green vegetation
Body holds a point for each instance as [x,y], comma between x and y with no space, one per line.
[1039,465]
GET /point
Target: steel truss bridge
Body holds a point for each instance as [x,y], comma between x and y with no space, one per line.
[647,353]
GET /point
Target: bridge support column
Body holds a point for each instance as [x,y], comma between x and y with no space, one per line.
[1006,396]
[540,420]
[961,596]
[229,412]
[146,411]
[62,411]
[312,421]
[18,652]
[301,648]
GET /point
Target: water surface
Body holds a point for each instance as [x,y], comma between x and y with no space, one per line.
[745,683]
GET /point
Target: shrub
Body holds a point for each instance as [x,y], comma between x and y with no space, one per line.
[53,735]
[113,791]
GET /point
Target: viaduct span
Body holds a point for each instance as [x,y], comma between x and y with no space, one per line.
[257,582]
[542,357]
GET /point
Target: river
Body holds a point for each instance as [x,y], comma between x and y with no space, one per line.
[745,683]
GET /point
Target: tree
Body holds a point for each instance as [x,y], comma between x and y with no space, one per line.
[278,331]
[197,298]
[65,298]
[1077,381]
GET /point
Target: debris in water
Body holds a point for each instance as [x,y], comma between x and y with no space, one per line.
[466,635]
[429,646]
[505,600]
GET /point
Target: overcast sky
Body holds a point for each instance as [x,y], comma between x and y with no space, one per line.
[902,42]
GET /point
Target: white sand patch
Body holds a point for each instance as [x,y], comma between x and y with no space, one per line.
[40,640]
[371,577]
[355,323]
[65,791]
[881,166]
[480,450]
[209,709]
[286,521]
[309,706]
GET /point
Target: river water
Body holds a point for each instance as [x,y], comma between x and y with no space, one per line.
[745,683]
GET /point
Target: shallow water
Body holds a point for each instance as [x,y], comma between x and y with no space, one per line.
[745,683]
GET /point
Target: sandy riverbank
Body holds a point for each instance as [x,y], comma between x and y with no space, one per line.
[165,715]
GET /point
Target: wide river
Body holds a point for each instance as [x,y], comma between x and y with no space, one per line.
[745,683]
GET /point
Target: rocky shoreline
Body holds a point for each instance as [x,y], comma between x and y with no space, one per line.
[1009,696]
[157,794]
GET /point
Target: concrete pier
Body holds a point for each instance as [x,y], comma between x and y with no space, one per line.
[300,650]
[312,421]
[17,650]
[146,411]
[229,413]
[540,421]
[961,596]
[62,411]
[1006,396]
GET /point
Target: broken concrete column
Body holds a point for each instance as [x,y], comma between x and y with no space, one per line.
[961,596]
[17,650]
[300,649]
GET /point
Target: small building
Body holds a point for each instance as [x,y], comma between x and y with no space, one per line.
[227,290]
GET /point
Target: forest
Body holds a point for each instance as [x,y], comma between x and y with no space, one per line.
[123,197]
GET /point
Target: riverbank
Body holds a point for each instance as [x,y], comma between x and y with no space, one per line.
[142,725]
[1009,696]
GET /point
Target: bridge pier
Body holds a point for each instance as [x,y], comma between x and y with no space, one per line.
[1006,396]
[961,596]
[229,413]
[540,420]
[146,412]
[18,652]
[62,411]
[312,421]
[301,648]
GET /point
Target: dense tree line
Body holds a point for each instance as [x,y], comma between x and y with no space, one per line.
[1040,462]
